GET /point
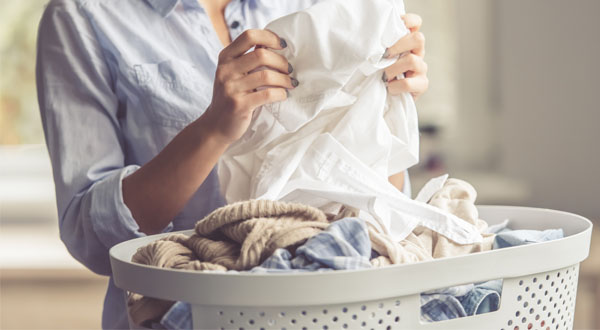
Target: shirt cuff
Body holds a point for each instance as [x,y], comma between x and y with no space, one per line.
[111,218]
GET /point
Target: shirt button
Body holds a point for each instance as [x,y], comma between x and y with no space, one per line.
[235,24]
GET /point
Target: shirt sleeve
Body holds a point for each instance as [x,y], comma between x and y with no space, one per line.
[79,111]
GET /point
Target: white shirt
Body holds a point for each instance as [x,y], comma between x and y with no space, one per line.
[340,135]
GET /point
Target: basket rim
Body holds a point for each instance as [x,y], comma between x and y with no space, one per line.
[256,289]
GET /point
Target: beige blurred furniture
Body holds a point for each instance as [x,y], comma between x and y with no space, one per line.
[41,285]
[51,299]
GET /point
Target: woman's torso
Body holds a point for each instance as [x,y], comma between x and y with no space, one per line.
[162,55]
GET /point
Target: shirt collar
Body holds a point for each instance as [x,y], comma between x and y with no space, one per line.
[163,7]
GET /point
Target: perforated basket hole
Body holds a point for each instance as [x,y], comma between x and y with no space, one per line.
[545,301]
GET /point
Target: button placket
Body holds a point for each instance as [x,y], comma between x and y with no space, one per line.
[236,27]
[234,18]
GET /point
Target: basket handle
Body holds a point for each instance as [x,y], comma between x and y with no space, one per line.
[414,316]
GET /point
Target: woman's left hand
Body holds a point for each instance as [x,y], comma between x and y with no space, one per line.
[411,63]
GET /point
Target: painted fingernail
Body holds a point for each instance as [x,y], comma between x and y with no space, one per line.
[384,77]
[290,68]
[387,53]
[295,82]
[282,43]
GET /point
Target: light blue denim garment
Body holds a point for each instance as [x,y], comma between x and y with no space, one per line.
[345,244]
[509,238]
[453,302]
[117,80]
[440,307]
[178,317]
[482,298]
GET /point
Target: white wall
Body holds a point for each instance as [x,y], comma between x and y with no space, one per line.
[471,141]
[548,70]
[438,105]
[518,95]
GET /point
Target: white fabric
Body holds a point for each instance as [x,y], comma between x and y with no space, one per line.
[430,188]
[339,136]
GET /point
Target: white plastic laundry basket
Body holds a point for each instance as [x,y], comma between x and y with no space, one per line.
[539,287]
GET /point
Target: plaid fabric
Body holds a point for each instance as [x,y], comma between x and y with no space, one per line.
[345,244]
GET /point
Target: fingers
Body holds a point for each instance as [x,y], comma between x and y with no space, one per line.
[269,95]
[262,57]
[413,22]
[411,49]
[413,42]
[264,78]
[408,62]
[416,85]
[249,39]
[235,94]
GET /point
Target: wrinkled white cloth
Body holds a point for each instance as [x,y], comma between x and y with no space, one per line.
[339,135]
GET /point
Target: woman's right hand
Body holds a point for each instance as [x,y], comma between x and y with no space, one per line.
[239,87]
[159,190]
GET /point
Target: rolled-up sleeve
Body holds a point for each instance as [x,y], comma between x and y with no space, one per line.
[79,111]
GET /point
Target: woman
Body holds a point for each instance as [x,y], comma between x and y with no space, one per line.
[131,126]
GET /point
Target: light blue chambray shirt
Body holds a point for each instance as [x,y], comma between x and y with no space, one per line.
[117,80]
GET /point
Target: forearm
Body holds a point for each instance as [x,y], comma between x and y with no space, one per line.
[159,190]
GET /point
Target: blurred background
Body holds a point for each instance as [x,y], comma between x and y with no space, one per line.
[511,108]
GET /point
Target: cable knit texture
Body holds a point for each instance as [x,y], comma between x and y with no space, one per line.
[238,236]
